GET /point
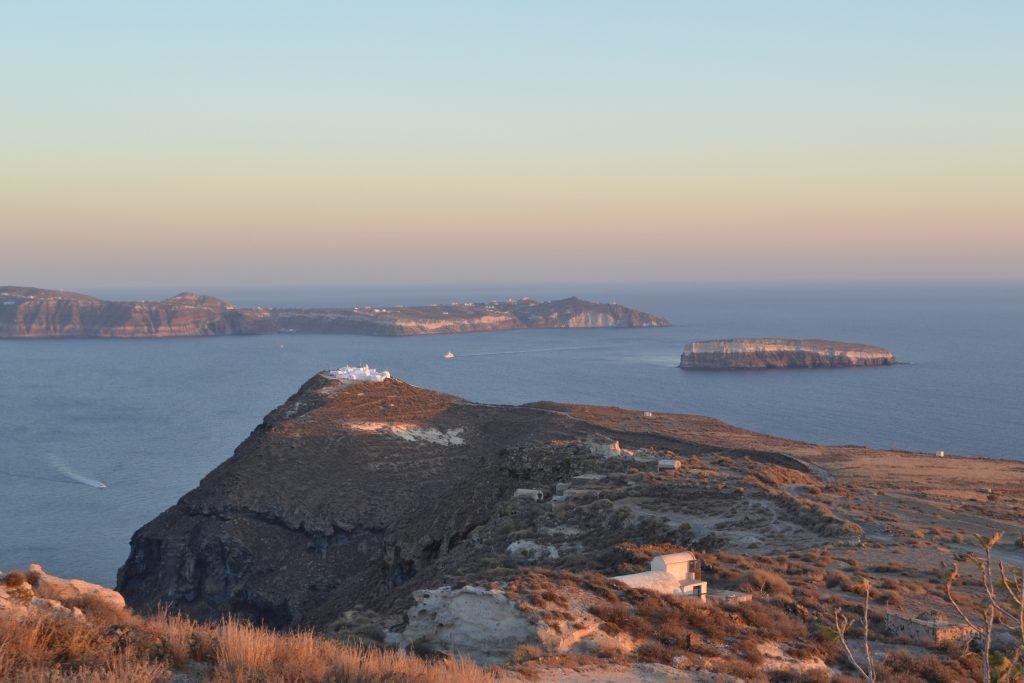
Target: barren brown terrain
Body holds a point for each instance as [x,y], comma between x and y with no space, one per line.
[389,513]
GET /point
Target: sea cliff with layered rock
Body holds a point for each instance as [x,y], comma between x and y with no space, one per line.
[750,354]
[28,312]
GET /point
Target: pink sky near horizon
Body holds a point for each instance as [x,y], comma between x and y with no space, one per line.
[593,141]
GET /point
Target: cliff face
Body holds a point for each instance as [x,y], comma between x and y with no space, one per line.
[29,312]
[343,494]
[354,495]
[780,353]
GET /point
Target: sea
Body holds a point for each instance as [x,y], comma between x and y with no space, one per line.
[97,437]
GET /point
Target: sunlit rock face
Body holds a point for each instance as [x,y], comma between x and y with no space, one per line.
[747,354]
[28,312]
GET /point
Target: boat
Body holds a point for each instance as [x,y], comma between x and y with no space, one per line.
[449,355]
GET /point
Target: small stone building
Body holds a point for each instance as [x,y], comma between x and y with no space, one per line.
[529,494]
[675,574]
[669,464]
[927,628]
[606,448]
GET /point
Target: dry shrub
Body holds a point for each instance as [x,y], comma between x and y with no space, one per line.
[764,581]
[525,653]
[654,651]
[39,642]
[835,578]
[178,639]
[905,667]
[49,648]
[808,676]
[740,668]
[888,597]
[770,622]
[623,618]
[15,579]
[97,610]
[748,647]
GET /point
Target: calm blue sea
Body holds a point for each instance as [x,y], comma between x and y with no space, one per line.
[150,417]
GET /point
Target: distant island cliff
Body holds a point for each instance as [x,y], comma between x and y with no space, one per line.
[728,354]
[28,312]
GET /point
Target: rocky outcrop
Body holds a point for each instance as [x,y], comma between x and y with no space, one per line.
[28,312]
[479,623]
[353,495]
[73,590]
[37,592]
[746,354]
[487,626]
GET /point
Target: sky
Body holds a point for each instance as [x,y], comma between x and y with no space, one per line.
[295,143]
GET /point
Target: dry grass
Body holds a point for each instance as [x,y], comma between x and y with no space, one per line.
[764,581]
[904,667]
[55,648]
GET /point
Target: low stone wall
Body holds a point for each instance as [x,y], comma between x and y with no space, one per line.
[926,631]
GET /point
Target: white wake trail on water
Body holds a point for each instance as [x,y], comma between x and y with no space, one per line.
[63,468]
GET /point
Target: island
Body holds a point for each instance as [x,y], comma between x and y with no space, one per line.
[28,312]
[756,354]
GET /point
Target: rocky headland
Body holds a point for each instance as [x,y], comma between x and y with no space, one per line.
[756,354]
[27,312]
[404,516]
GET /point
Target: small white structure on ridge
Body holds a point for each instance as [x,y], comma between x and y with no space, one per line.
[668,464]
[351,373]
[529,494]
[675,574]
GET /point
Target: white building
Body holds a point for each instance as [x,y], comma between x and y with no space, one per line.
[350,373]
[675,574]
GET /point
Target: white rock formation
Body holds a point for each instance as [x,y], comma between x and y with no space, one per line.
[484,625]
[479,623]
[531,550]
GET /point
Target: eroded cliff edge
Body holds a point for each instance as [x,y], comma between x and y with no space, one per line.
[729,354]
[28,312]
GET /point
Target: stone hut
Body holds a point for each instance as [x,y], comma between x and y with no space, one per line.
[927,628]
[675,574]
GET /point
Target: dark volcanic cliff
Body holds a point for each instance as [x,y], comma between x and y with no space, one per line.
[351,496]
[28,312]
[730,354]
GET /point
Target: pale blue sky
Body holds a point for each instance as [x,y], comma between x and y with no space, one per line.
[146,141]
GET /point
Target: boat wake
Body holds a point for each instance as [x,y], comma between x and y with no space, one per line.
[74,476]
